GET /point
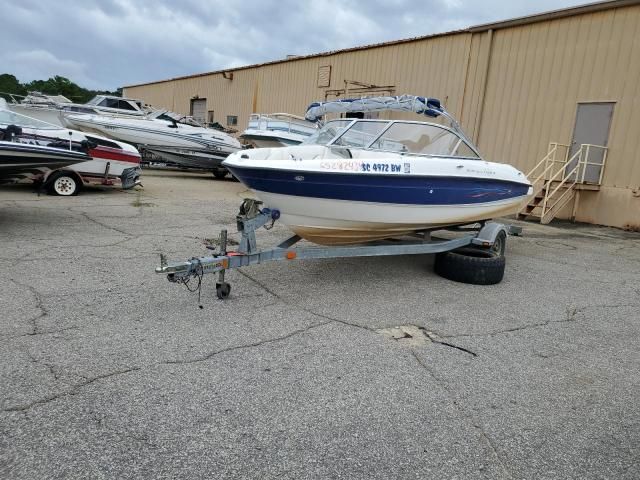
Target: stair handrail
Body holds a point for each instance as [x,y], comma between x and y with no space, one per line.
[574,170]
[605,151]
[548,164]
[551,150]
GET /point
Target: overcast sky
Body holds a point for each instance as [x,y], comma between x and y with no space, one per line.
[110,43]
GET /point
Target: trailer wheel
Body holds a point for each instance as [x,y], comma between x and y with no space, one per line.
[220,173]
[64,184]
[223,290]
[499,244]
[471,265]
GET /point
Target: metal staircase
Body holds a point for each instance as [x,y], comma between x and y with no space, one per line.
[558,178]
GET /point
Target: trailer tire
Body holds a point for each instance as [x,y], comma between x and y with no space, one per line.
[220,173]
[223,290]
[476,266]
[63,184]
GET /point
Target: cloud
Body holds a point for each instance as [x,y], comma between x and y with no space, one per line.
[37,64]
[110,43]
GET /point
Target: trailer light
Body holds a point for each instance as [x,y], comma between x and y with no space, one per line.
[291,255]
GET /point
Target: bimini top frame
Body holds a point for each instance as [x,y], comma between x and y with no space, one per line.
[430,107]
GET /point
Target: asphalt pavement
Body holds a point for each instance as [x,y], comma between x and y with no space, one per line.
[365,368]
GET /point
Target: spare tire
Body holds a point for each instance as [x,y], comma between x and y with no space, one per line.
[477,266]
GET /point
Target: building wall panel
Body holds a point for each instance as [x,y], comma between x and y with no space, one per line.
[514,89]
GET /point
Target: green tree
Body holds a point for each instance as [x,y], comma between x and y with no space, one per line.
[10,84]
[56,85]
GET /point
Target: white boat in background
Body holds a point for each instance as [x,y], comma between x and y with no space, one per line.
[277,130]
[48,108]
[184,145]
[357,181]
[108,163]
[159,135]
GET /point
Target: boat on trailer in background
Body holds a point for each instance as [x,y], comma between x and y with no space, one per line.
[164,138]
[107,162]
[18,160]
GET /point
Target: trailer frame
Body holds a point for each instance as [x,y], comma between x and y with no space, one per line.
[484,234]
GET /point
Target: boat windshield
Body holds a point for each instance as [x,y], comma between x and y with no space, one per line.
[95,100]
[328,132]
[415,138]
[7,117]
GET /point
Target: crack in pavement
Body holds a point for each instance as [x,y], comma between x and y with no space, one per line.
[39,305]
[72,391]
[435,339]
[40,333]
[570,316]
[468,417]
[104,225]
[210,355]
[50,367]
[430,335]
[304,309]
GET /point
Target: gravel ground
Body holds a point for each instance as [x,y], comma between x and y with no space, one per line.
[109,371]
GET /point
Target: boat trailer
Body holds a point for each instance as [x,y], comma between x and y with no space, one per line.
[483,236]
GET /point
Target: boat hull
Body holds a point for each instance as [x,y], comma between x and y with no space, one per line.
[106,161]
[24,161]
[332,208]
[155,133]
[200,159]
[341,222]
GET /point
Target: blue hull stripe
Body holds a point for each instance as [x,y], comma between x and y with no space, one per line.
[402,189]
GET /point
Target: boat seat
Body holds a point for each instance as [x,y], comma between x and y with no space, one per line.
[8,133]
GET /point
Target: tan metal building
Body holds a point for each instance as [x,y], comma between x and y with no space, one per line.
[566,76]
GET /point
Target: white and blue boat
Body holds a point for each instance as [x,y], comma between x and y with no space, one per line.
[357,181]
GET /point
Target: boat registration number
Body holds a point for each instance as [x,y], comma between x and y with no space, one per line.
[355,166]
[380,167]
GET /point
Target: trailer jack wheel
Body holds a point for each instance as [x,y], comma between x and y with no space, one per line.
[223,290]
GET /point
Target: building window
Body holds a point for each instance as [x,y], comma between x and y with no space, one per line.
[324,76]
[232,120]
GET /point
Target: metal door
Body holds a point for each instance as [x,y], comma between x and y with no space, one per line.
[199,109]
[593,121]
